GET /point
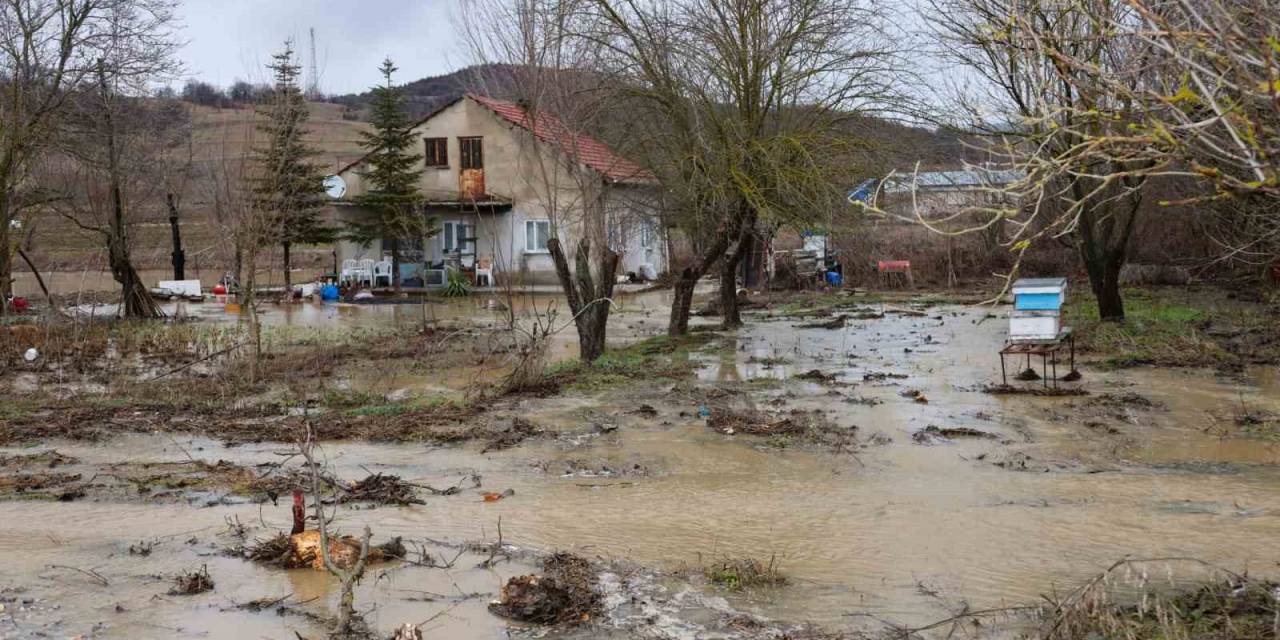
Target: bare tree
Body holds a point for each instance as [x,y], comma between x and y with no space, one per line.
[348,618]
[47,48]
[117,159]
[563,100]
[739,105]
[1039,109]
[1205,101]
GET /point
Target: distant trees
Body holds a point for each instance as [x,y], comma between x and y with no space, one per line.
[204,94]
[289,187]
[393,172]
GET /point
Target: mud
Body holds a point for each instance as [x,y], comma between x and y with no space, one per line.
[986,521]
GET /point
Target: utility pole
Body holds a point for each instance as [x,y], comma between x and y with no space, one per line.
[179,256]
[313,84]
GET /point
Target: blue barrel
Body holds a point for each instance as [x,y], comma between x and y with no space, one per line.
[833,278]
[329,292]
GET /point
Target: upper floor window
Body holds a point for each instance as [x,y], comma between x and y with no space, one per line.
[437,152]
[472,152]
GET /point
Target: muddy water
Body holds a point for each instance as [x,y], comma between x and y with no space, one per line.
[901,530]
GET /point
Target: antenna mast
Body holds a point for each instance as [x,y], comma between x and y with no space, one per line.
[313,83]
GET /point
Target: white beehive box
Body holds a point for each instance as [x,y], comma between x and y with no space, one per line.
[1034,325]
[1037,309]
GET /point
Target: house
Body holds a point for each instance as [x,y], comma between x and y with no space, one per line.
[944,192]
[499,183]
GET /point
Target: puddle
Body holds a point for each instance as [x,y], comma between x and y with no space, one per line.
[900,530]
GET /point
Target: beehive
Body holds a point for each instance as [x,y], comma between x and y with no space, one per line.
[1037,309]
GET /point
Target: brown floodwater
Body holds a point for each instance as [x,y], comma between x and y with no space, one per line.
[900,530]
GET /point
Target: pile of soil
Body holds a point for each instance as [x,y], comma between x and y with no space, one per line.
[564,593]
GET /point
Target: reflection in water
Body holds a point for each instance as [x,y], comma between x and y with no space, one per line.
[875,533]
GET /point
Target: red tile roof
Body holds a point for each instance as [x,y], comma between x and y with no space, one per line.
[584,148]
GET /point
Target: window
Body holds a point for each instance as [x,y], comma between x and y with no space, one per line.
[455,236]
[437,152]
[536,234]
[472,152]
[646,234]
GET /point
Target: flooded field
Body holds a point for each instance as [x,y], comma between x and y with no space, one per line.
[939,495]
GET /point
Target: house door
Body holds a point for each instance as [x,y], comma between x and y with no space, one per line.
[458,243]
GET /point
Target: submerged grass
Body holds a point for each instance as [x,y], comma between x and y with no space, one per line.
[738,574]
[1179,326]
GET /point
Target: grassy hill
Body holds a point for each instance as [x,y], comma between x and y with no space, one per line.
[218,136]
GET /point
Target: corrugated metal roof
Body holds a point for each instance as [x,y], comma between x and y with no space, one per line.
[584,148]
[941,180]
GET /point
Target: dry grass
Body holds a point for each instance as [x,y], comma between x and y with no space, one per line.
[1140,600]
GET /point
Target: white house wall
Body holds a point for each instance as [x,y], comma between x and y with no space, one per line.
[531,177]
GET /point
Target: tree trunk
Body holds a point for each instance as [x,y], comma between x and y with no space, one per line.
[730,314]
[1104,247]
[179,256]
[682,301]
[238,272]
[288,272]
[590,298]
[1104,279]
[53,305]
[6,258]
[250,298]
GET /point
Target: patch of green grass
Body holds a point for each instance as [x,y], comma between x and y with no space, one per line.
[1176,326]
[388,409]
[737,574]
[656,357]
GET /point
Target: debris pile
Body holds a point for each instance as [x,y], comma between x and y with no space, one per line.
[933,434]
[565,593]
[518,432]
[797,426]
[190,583]
[382,489]
[302,550]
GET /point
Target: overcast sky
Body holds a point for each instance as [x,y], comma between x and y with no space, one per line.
[233,39]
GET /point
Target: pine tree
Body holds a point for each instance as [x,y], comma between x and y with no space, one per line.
[289,190]
[392,173]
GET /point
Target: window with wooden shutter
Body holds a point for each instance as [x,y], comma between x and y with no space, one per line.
[472,152]
[436,153]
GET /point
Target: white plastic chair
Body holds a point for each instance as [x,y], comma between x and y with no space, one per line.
[364,272]
[348,272]
[382,270]
[484,271]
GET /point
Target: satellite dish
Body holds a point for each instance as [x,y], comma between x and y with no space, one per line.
[335,186]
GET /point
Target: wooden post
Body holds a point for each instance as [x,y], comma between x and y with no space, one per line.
[179,256]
